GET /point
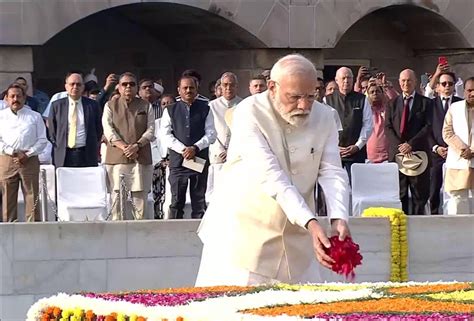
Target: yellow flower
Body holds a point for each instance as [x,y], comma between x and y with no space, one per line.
[454,296]
[399,241]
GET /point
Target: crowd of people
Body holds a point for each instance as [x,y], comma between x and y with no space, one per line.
[146,135]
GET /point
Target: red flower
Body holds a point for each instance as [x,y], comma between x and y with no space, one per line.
[346,254]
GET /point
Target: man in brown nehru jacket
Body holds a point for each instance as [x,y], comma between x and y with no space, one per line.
[129,127]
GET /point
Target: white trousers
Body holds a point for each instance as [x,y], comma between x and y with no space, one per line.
[216,269]
[460,203]
[212,177]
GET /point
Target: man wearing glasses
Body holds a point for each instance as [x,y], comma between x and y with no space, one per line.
[129,127]
[441,103]
[261,224]
[355,114]
[147,92]
[75,126]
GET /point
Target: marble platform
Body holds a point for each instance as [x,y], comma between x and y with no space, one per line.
[42,259]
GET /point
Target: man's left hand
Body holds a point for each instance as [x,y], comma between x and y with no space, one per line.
[405,149]
[349,150]
[130,150]
[339,227]
[189,152]
[20,158]
[466,153]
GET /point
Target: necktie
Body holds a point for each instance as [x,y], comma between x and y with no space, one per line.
[446,103]
[405,114]
[71,139]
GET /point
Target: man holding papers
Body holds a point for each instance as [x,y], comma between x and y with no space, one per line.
[187,128]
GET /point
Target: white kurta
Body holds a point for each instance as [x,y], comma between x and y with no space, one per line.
[310,153]
[219,107]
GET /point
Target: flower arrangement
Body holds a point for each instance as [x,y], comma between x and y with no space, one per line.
[399,241]
[331,301]
[346,255]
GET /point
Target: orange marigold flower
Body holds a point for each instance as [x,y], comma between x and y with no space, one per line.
[57,312]
[141,319]
[90,314]
[384,305]
[430,288]
[110,318]
[179,319]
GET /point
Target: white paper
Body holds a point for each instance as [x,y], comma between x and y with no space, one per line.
[196,164]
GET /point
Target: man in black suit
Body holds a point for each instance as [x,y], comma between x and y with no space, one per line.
[75,127]
[408,128]
[445,89]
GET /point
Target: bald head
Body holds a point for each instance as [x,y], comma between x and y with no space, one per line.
[407,81]
[344,80]
[292,65]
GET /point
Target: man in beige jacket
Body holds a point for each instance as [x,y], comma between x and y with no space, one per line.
[129,127]
[458,133]
[261,226]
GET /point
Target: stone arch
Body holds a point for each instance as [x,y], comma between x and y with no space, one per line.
[152,39]
[338,16]
[55,16]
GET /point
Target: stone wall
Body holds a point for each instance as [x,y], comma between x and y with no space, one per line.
[41,259]
[15,62]
[376,42]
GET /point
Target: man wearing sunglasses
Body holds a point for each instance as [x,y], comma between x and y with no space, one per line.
[129,127]
[446,97]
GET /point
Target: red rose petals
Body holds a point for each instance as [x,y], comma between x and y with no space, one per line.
[346,254]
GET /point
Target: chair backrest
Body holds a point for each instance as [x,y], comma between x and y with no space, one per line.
[375,180]
[82,187]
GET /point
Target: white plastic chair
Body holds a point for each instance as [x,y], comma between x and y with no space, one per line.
[375,185]
[82,194]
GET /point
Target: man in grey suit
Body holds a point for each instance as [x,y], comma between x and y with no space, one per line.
[75,127]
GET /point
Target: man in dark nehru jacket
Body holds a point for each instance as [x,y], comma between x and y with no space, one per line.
[356,116]
[187,128]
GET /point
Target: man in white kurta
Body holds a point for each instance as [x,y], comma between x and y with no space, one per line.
[458,133]
[219,107]
[261,225]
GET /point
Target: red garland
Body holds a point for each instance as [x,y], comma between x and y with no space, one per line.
[346,254]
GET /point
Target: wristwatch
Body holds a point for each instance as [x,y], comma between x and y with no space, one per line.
[139,144]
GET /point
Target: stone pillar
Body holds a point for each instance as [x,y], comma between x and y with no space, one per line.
[14,62]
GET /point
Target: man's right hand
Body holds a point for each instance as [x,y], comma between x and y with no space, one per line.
[110,82]
[440,69]
[362,72]
[320,242]
[442,151]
